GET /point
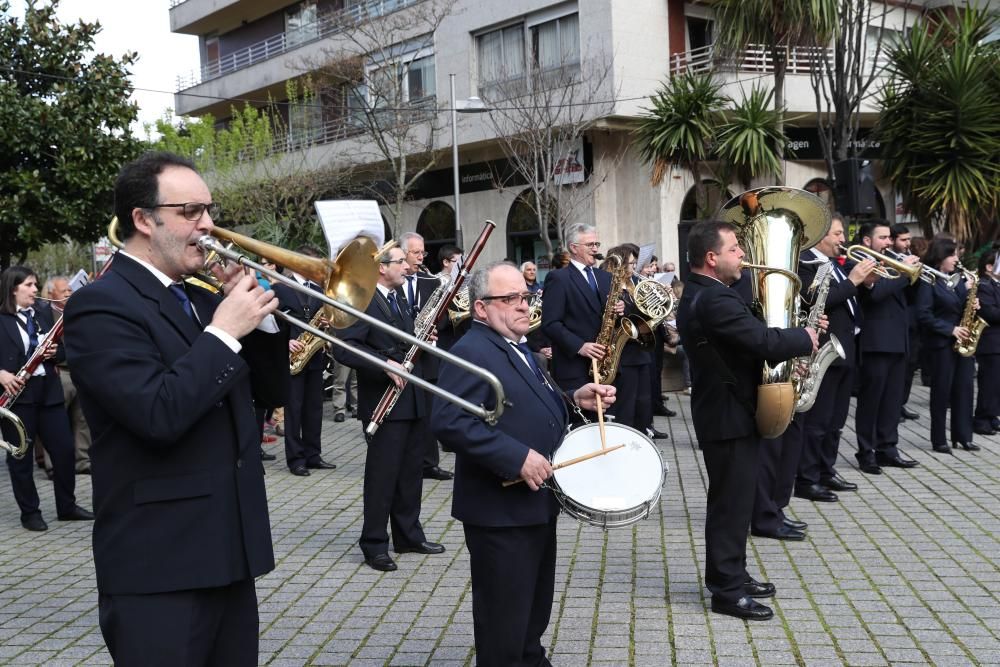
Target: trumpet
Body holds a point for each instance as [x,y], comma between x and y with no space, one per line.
[347,284]
[929,274]
[885,266]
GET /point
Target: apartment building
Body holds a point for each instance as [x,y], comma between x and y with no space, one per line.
[250,48]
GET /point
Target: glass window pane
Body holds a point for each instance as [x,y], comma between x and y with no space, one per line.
[513,47]
[569,38]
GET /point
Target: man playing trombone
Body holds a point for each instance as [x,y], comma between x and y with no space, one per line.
[165,371]
[510,531]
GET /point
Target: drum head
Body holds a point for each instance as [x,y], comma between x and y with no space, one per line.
[619,480]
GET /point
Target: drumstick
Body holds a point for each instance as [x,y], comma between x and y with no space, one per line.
[578,459]
[600,407]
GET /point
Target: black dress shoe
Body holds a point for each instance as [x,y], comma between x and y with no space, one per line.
[660,410]
[759,589]
[896,461]
[797,525]
[782,533]
[746,608]
[382,563]
[657,435]
[34,522]
[339,417]
[995,423]
[870,468]
[322,465]
[816,493]
[908,413]
[422,548]
[264,456]
[967,446]
[299,470]
[942,449]
[838,483]
[437,473]
[85,471]
[984,431]
[77,514]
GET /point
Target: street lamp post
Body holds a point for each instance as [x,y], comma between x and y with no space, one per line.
[471,105]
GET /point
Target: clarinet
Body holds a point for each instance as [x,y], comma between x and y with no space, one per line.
[435,312]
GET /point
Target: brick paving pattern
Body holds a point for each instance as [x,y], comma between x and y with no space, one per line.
[905,571]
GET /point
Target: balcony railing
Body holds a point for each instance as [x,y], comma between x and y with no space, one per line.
[758,58]
[330,23]
[174,3]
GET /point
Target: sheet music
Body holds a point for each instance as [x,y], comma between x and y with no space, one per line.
[645,254]
[343,220]
[79,280]
[665,278]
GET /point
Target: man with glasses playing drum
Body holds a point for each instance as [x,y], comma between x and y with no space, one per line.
[510,530]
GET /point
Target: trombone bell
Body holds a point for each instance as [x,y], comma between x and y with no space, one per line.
[350,279]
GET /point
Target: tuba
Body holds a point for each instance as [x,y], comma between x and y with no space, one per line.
[775,224]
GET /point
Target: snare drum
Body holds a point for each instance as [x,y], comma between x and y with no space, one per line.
[614,490]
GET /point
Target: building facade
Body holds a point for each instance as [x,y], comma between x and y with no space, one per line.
[251,48]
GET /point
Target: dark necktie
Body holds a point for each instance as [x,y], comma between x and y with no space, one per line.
[177,289]
[592,280]
[29,326]
[410,294]
[394,305]
[852,303]
[530,357]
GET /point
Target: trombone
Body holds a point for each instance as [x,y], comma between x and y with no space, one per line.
[347,282]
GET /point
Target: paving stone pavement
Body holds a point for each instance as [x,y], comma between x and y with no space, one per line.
[905,571]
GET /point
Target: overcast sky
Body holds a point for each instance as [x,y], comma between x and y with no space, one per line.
[142,26]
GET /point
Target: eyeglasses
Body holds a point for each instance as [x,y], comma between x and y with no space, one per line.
[418,253]
[193,210]
[593,245]
[511,299]
[394,261]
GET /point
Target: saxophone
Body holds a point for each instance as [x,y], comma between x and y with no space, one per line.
[807,383]
[614,332]
[970,320]
[313,344]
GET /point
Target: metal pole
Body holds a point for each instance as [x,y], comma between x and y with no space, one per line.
[454,163]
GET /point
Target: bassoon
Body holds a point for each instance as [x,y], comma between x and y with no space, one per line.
[439,311]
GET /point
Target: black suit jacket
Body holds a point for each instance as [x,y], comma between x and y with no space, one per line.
[727,346]
[372,380]
[887,316]
[304,308]
[989,310]
[842,321]
[939,311]
[178,482]
[485,455]
[45,390]
[571,316]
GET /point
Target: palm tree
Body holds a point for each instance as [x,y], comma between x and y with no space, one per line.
[939,127]
[750,143]
[679,129]
[777,26]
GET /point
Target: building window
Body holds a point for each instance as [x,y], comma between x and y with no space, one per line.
[501,55]
[300,23]
[305,121]
[555,44]
[407,81]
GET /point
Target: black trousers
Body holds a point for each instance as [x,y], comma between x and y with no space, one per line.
[988,398]
[52,423]
[732,484]
[880,400]
[912,363]
[632,405]
[432,457]
[393,484]
[951,386]
[207,626]
[778,461]
[304,417]
[513,581]
[822,426]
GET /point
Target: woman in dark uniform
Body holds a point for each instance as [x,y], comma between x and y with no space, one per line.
[987,419]
[939,312]
[40,406]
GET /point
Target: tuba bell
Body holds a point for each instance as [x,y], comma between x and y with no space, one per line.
[775,224]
